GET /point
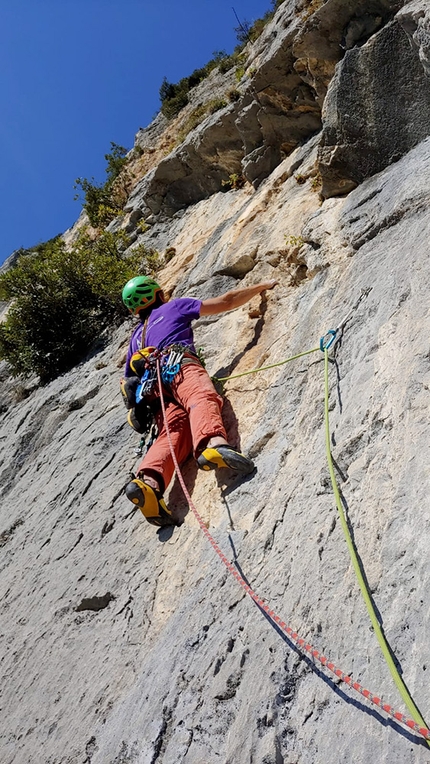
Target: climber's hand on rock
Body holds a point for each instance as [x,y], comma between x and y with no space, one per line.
[268,285]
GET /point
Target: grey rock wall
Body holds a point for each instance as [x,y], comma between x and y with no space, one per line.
[359,70]
[376,109]
[121,644]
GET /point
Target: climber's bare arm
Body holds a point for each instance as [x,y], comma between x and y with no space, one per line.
[233,299]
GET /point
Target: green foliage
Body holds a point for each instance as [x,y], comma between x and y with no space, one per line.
[116,161]
[215,105]
[247,32]
[242,32]
[294,241]
[258,26]
[141,226]
[240,71]
[103,202]
[227,63]
[197,115]
[169,254]
[316,182]
[201,356]
[63,299]
[233,183]
[174,97]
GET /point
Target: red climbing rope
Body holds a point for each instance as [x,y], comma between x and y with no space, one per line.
[301,643]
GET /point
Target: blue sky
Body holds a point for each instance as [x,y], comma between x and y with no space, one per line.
[78,74]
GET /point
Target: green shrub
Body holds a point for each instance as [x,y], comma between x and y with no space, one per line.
[196,116]
[233,95]
[172,106]
[240,72]
[226,64]
[234,182]
[242,32]
[63,299]
[174,96]
[169,254]
[215,105]
[258,26]
[104,201]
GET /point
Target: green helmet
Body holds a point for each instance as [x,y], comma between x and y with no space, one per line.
[140,293]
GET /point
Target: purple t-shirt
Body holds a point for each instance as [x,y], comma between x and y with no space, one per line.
[168,324]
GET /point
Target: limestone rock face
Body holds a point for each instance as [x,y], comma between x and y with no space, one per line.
[336,26]
[124,645]
[275,111]
[365,64]
[382,89]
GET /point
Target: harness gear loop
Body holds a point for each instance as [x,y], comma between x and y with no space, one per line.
[172,363]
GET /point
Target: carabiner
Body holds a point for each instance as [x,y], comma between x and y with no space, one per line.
[325,345]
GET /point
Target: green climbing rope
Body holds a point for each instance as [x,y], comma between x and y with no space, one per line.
[263,368]
[404,692]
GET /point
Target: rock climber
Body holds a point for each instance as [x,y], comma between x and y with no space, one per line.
[164,336]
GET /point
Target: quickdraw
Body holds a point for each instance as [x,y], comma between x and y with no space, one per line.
[144,365]
[171,364]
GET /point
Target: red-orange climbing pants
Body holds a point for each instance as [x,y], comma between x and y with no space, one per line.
[193,409]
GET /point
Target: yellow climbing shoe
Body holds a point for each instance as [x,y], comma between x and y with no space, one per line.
[225,456]
[150,503]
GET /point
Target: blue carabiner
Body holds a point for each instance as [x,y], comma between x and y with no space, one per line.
[326,345]
[168,373]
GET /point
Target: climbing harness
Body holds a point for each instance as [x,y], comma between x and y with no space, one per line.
[136,390]
[417,723]
[171,359]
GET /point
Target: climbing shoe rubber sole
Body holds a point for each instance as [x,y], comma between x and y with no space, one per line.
[225,456]
[150,503]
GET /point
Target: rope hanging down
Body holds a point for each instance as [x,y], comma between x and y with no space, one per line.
[404,692]
[421,729]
